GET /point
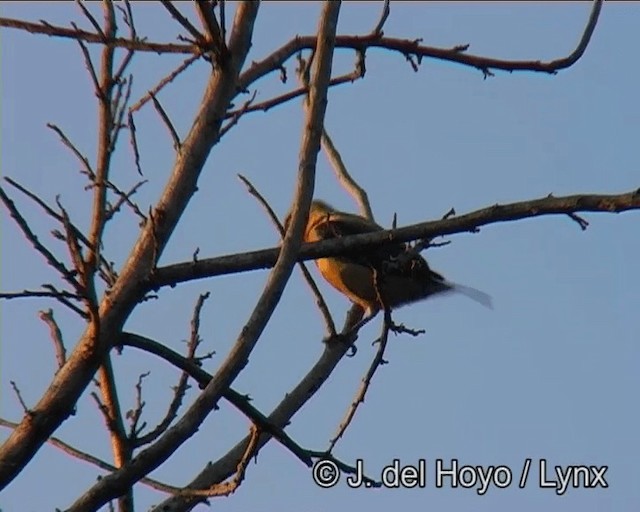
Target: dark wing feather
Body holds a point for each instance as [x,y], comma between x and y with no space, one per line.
[343,224]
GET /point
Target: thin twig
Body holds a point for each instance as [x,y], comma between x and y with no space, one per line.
[237,115]
[56,336]
[267,105]
[59,295]
[378,360]
[177,145]
[164,82]
[91,18]
[383,18]
[75,251]
[33,239]
[180,389]
[345,179]
[89,63]
[322,305]
[229,487]
[128,19]
[65,140]
[120,109]
[134,142]
[135,414]
[14,386]
[187,25]
[125,197]
[86,457]
[27,294]
[108,273]
[583,223]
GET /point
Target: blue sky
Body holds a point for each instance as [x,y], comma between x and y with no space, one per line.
[551,372]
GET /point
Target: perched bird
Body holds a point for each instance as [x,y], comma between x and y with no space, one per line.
[373,278]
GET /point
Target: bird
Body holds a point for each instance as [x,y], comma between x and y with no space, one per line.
[378,278]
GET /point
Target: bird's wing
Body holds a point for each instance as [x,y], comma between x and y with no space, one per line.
[339,224]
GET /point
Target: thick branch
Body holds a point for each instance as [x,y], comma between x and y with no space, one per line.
[255,260]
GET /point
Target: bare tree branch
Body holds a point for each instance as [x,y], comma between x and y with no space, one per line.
[267,105]
[177,145]
[333,155]
[378,360]
[108,273]
[383,18]
[179,17]
[56,336]
[239,401]
[181,388]
[413,48]
[225,467]
[171,275]
[26,294]
[86,457]
[276,59]
[93,38]
[66,274]
[164,82]
[204,9]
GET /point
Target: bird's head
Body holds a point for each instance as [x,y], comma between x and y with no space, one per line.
[318,209]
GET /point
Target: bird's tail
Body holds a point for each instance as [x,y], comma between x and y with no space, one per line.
[472,293]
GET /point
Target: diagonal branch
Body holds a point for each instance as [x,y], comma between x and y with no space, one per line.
[180,18]
[293,401]
[322,305]
[378,360]
[67,275]
[108,273]
[267,105]
[86,457]
[239,401]
[208,20]
[163,83]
